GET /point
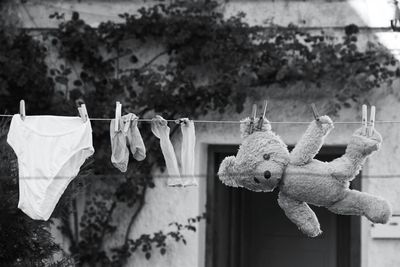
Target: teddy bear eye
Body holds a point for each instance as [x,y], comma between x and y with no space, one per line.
[266,156]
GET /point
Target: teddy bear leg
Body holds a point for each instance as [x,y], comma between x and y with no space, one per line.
[376,209]
[300,214]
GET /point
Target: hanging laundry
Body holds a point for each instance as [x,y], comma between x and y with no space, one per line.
[119,149]
[187,152]
[127,134]
[50,152]
[161,130]
[135,140]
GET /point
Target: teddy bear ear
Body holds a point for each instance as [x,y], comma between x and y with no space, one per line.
[227,172]
[245,126]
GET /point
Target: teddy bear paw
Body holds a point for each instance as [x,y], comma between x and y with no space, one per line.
[325,124]
[311,230]
[379,212]
[368,143]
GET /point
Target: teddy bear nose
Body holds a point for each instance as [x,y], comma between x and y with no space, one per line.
[267,174]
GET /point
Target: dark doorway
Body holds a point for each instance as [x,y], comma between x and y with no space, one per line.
[246,228]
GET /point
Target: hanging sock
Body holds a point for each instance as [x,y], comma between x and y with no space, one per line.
[50,152]
[119,149]
[135,140]
[127,135]
[161,130]
[187,152]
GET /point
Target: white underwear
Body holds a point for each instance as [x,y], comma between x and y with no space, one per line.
[50,151]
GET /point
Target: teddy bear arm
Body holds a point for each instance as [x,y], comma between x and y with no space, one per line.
[359,148]
[300,214]
[345,168]
[362,145]
[311,142]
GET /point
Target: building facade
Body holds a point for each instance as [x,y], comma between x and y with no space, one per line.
[247,229]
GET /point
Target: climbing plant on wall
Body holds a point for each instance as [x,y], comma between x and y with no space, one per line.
[179,60]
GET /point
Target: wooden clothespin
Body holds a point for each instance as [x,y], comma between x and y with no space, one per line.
[182,120]
[81,114]
[178,121]
[128,121]
[79,103]
[261,121]
[315,112]
[84,113]
[371,124]
[118,111]
[364,119]
[253,118]
[22,109]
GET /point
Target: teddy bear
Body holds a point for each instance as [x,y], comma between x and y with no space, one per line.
[264,163]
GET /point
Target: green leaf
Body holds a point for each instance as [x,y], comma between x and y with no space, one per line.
[134,59]
[61,79]
[78,83]
[75,16]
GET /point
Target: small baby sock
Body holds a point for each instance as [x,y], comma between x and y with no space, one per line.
[119,149]
[188,152]
[135,140]
[160,129]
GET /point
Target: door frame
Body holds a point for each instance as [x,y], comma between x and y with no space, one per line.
[348,227]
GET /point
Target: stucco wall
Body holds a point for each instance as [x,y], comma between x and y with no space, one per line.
[164,205]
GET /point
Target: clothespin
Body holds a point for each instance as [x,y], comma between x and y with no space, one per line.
[81,114]
[118,111]
[315,112]
[182,120]
[261,121]
[253,118]
[22,109]
[84,112]
[79,103]
[371,124]
[128,121]
[364,119]
[160,120]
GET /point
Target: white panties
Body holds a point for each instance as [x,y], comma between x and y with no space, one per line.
[50,151]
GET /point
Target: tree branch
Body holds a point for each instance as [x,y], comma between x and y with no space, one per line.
[109,216]
[148,63]
[76,223]
[135,214]
[66,229]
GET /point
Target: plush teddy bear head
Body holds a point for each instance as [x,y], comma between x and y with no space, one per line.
[260,161]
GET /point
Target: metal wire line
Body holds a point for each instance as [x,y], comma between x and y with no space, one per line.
[233,121]
[196,176]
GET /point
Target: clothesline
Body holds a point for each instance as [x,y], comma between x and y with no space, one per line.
[233,121]
[196,176]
